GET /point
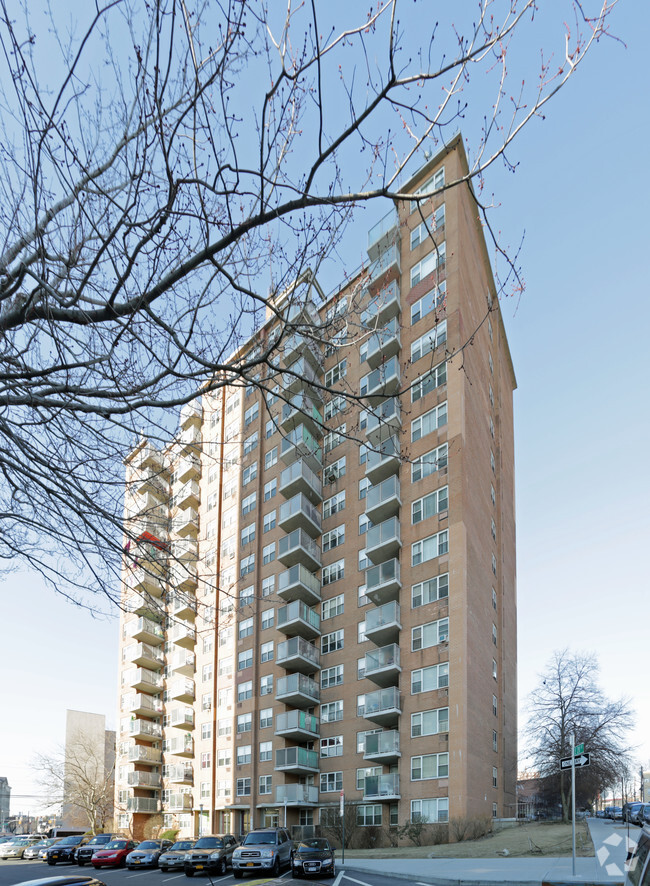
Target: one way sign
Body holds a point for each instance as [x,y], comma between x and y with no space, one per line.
[582,760]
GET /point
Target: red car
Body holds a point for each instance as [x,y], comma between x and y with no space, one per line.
[113,854]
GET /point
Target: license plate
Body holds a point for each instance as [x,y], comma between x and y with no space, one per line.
[312,867]
[199,867]
[136,861]
[250,864]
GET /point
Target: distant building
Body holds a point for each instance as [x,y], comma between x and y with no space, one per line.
[5,795]
[89,760]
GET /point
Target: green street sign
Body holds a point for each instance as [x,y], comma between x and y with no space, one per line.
[579,749]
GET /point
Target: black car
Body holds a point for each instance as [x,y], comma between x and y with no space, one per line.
[74,880]
[210,855]
[65,849]
[147,853]
[313,858]
[85,853]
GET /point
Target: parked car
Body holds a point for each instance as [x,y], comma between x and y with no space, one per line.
[644,814]
[268,849]
[210,854]
[64,849]
[73,880]
[147,853]
[630,811]
[113,854]
[35,850]
[313,858]
[173,858]
[99,841]
[637,869]
[15,848]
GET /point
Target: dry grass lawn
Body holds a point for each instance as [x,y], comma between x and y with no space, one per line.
[530,839]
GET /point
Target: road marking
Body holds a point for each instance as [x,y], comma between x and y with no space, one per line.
[348,877]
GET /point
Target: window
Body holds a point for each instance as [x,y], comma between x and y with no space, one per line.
[269,521]
[245,660]
[331,677]
[430,591]
[333,407]
[428,342]
[331,642]
[495,740]
[492,462]
[364,562]
[429,766]
[243,754]
[430,504]
[244,690]
[248,534]
[208,643]
[225,666]
[212,501]
[431,301]
[494,565]
[494,599]
[430,548]
[230,431]
[361,667]
[206,672]
[244,722]
[211,529]
[369,815]
[490,364]
[331,712]
[246,565]
[268,617]
[365,523]
[266,685]
[494,668]
[428,422]
[224,727]
[427,265]
[428,382]
[266,718]
[268,553]
[494,634]
[271,458]
[432,184]
[245,628]
[249,473]
[333,538]
[229,518]
[362,599]
[269,429]
[268,585]
[248,503]
[428,635]
[251,414]
[270,489]
[494,705]
[495,775]
[332,472]
[361,739]
[427,679]
[367,772]
[266,784]
[493,495]
[206,701]
[331,747]
[431,811]
[492,427]
[243,787]
[332,607]
[250,443]
[225,635]
[430,722]
[334,504]
[206,760]
[427,227]
[266,751]
[331,782]
[333,572]
[361,632]
[224,757]
[266,651]
[493,529]
[332,439]
[363,454]
[206,730]
[336,373]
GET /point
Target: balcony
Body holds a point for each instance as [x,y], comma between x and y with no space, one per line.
[185,550]
[146,630]
[296,795]
[152,483]
[383,283]
[145,656]
[179,803]
[382,787]
[383,460]
[189,440]
[383,233]
[188,468]
[183,746]
[179,774]
[142,580]
[383,665]
[186,523]
[149,780]
[302,375]
[144,754]
[381,382]
[182,605]
[382,747]
[181,690]
[297,512]
[188,496]
[384,500]
[298,691]
[181,662]
[297,726]
[145,730]
[301,409]
[383,582]
[296,346]
[191,415]
[383,421]
[182,718]
[298,583]
[300,478]
[184,576]
[298,547]
[149,457]
[383,344]
[143,804]
[296,760]
[297,654]
[142,680]
[302,313]
[183,634]
[383,541]
[383,624]
[143,604]
[300,444]
[382,707]
[298,620]
[383,307]
[145,705]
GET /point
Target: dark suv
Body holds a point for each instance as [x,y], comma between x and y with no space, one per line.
[64,850]
[85,853]
[267,849]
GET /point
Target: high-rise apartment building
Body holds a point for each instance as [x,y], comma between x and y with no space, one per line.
[319,586]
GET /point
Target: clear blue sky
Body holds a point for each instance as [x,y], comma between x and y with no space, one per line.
[578,336]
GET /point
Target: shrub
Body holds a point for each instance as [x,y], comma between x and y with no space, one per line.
[169,834]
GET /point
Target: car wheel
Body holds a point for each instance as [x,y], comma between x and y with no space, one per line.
[275,870]
[51,861]
[164,870]
[222,867]
[81,863]
[294,875]
[189,872]
[237,875]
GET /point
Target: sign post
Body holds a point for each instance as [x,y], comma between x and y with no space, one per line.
[342,814]
[573,802]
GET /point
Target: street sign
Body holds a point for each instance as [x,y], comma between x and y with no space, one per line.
[579,749]
[582,760]
[341,803]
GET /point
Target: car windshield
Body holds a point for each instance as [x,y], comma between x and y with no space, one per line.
[264,837]
[186,844]
[314,844]
[116,844]
[69,841]
[148,844]
[100,838]
[209,843]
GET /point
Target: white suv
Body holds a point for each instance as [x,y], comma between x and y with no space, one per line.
[267,849]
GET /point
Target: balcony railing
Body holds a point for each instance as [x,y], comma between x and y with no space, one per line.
[384,500]
[299,477]
[145,656]
[383,624]
[182,718]
[143,580]
[150,780]
[145,730]
[179,774]
[186,523]
[383,233]
[297,725]
[189,468]
[298,583]
[296,795]
[296,760]
[179,803]
[149,457]
[383,665]
[298,691]
[297,512]
[382,382]
[142,704]
[298,547]
[297,345]
[302,374]
[383,344]
[297,654]
[385,268]
[142,680]
[383,421]
[382,746]
[181,690]
[188,496]
[182,746]
[182,661]
[183,634]
[144,754]
[191,414]
[183,605]
[382,707]
[301,409]
[298,620]
[143,804]
[383,582]
[190,439]
[382,787]
[146,630]
[383,460]
[301,444]
[383,540]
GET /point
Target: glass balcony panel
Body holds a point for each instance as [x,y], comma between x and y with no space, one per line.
[382,746]
[179,774]
[146,630]
[186,523]
[296,794]
[144,754]
[299,511]
[383,541]
[143,804]
[383,233]
[149,457]
[297,654]
[145,656]
[298,547]
[386,268]
[298,691]
[297,725]
[182,718]
[140,704]
[145,730]
[296,759]
[183,634]
[181,662]
[142,680]
[382,707]
[183,605]
[191,414]
[302,410]
[301,444]
[383,344]
[189,468]
[181,690]
[150,780]
[189,440]
[297,345]
[383,624]
[384,500]
[383,665]
[297,619]
[382,787]
[143,580]
[382,382]
[383,582]
[383,460]
[182,746]
[302,375]
[299,477]
[298,583]
[188,495]
[383,421]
